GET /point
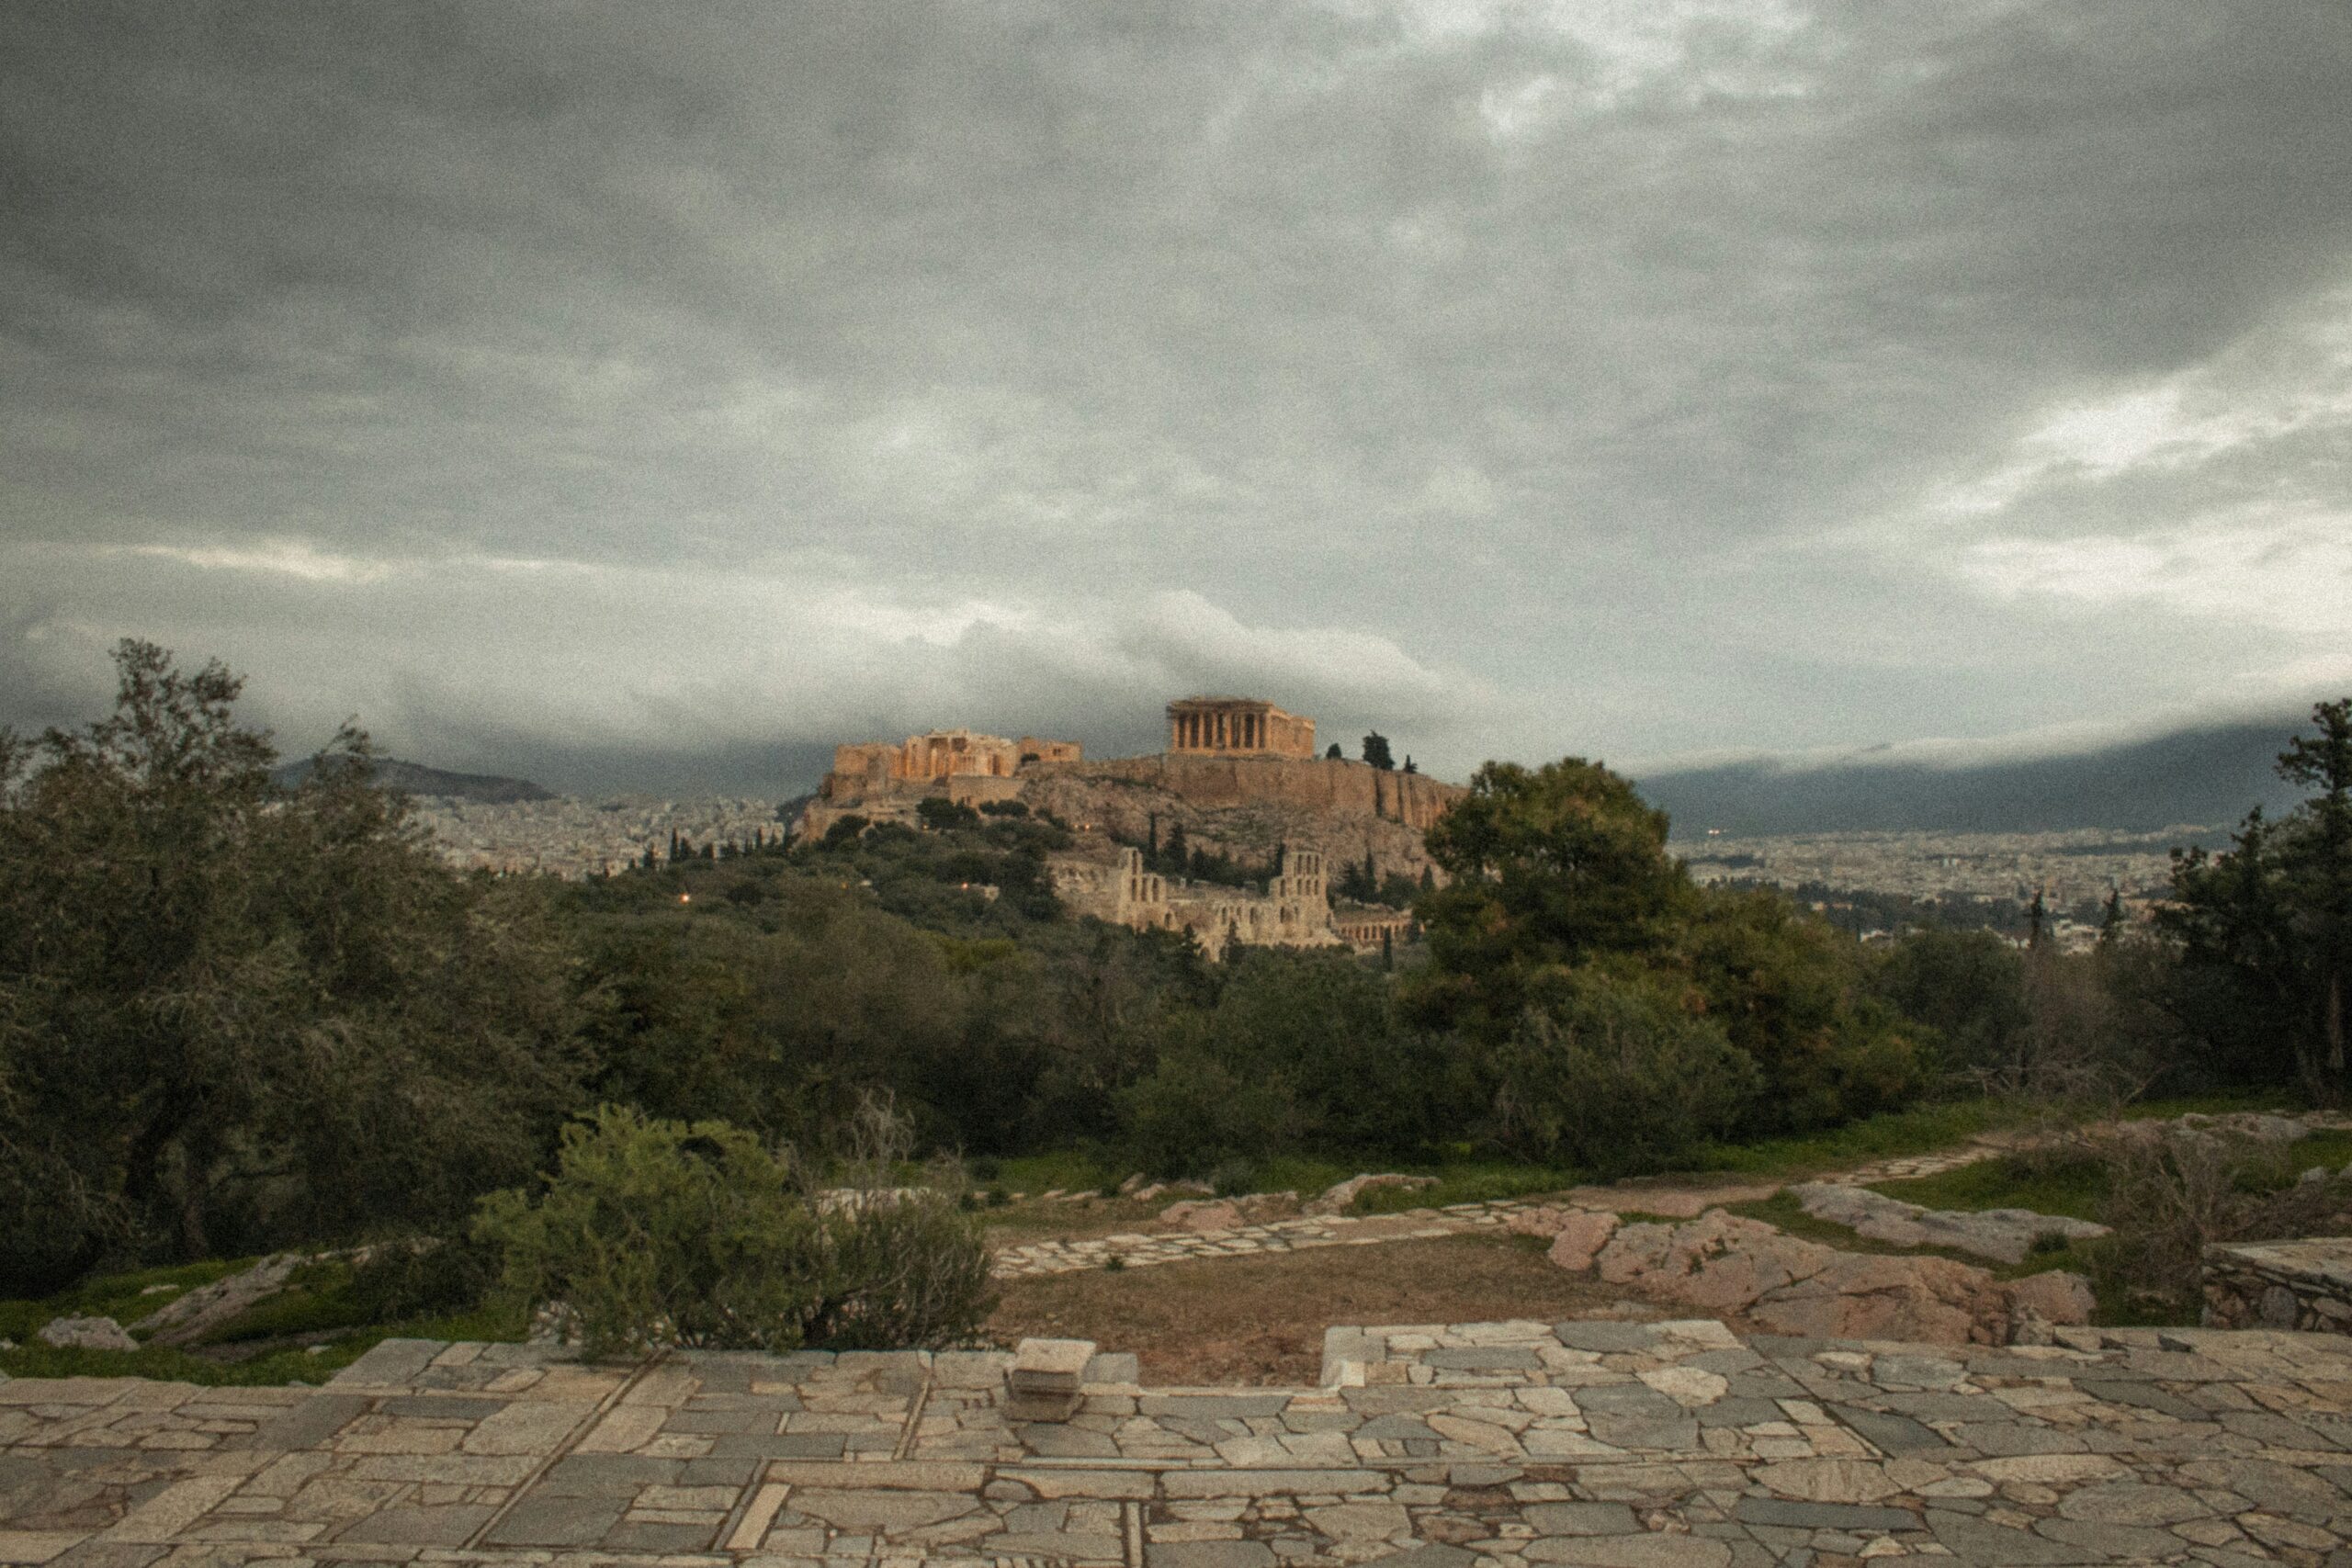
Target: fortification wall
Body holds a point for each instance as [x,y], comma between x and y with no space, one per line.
[1333,788]
[1245,806]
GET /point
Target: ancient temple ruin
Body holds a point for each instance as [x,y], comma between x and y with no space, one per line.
[1241,726]
[1293,911]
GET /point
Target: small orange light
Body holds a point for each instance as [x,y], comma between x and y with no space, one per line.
[685,898]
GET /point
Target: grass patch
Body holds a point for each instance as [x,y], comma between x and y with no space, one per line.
[317,1298]
[1784,1211]
[1070,1171]
[2075,1189]
[126,1298]
[286,1364]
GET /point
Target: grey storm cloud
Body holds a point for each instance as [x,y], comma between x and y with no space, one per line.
[641,388]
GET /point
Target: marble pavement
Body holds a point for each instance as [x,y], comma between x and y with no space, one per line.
[1616,1445]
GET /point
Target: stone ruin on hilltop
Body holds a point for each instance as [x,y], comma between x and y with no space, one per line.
[1239,778]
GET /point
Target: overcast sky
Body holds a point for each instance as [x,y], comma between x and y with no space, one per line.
[641,393]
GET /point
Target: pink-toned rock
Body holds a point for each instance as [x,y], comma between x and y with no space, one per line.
[1677,1200]
[1214,1214]
[1579,1239]
[1545,1220]
[1718,1262]
[1863,1297]
[2057,1297]
[1339,1198]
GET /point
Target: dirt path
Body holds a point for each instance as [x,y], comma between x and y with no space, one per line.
[1259,1321]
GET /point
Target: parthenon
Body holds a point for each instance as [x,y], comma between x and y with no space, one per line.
[1237,726]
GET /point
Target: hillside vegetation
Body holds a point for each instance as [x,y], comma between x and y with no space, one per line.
[238,1016]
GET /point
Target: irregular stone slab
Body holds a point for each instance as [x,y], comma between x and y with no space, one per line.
[2144,1396]
[309,1423]
[1581,1518]
[1719,1263]
[1340,1197]
[1207,1555]
[453,1524]
[1855,1296]
[2133,1503]
[1988,1545]
[85,1334]
[864,1509]
[1889,1434]
[1075,1546]
[545,1520]
[2280,1488]
[2055,1296]
[391,1363]
[1658,1550]
[1435,1554]
[1821,1515]
[527,1426]
[1669,1200]
[2005,1235]
[1579,1237]
[187,1319]
[1827,1480]
[2113,1541]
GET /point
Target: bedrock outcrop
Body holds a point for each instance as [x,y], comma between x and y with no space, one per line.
[1729,1265]
[1247,806]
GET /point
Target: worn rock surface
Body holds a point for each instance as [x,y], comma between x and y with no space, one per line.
[2005,1235]
[186,1319]
[1737,1267]
[1579,1239]
[86,1334]
[1341,1196]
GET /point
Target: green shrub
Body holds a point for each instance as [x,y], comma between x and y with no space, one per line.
[655,1233]
[1233,1178]
[424,1277]
[1605,1074]
[1193,1113]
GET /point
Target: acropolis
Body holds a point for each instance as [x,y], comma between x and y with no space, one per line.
[1240,776]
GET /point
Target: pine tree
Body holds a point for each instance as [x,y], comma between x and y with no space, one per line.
[1376,752]
[1334,754]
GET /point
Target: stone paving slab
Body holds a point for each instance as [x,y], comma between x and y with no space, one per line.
[1432,1446]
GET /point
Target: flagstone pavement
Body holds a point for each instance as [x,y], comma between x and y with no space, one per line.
[1616,1445]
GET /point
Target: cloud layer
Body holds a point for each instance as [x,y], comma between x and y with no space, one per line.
[612,384]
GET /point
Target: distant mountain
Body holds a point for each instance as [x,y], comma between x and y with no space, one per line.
[414,778]
[2209,775]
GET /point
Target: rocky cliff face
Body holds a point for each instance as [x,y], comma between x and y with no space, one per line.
[1246,806]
